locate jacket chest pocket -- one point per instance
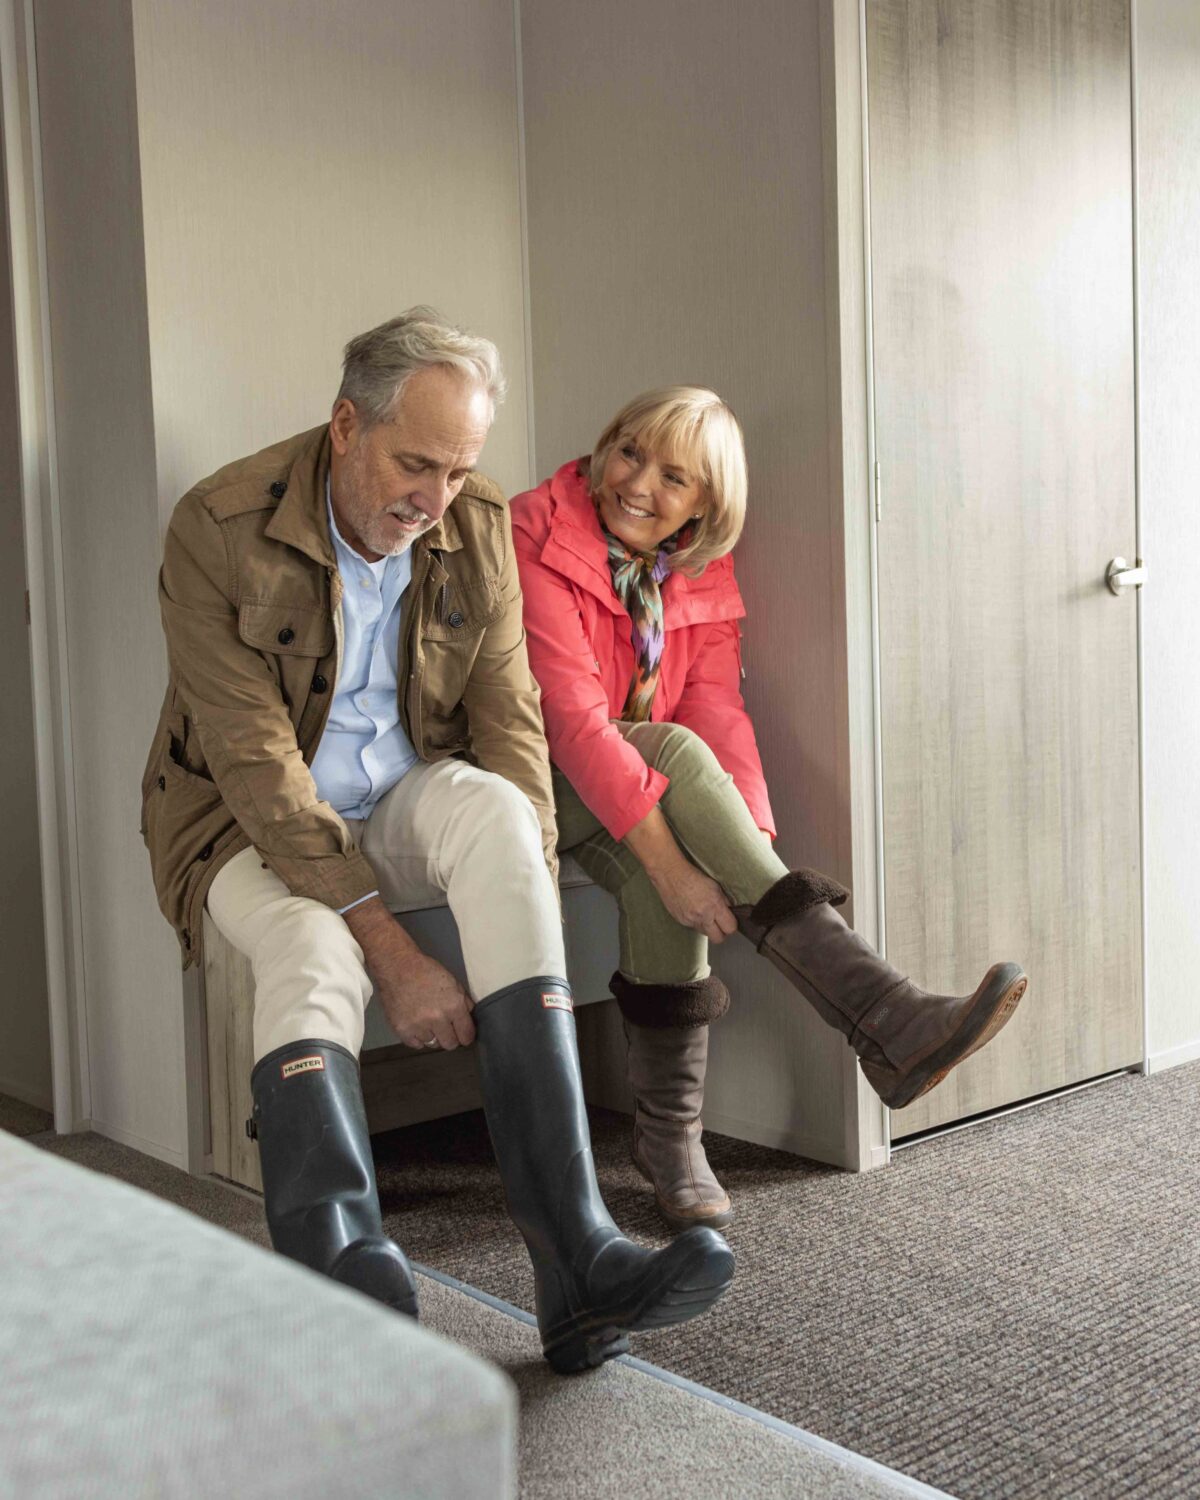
(451, 635)
(294, 639)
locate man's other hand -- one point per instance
(422, 1000)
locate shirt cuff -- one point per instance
(342, 910)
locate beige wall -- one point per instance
(1168, 52)
(24, 1002)
(308, 170)
(303, 170)
(676, 222)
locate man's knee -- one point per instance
(300, 931)
(494, 807)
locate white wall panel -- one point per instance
(1168, 87)
(676, 223)
(110, 557)
(24, 1000)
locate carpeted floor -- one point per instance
(1009, 1311)
(616, 1433)
(23, 1119)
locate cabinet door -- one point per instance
(1001, 251)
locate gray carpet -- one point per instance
(613, 1434)
(23, 1119)
(1009, 1311)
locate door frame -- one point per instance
(49, 669)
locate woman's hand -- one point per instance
(696, 901)
(688, 894)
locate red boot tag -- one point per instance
(314, 1064)
(553, 1001)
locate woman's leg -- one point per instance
(907, 1040)
(707, 813)
(667, 997)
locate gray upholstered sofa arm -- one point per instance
(146, 1353)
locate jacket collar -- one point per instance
(576, 546)
(301, 519)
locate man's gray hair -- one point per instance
(377, 365)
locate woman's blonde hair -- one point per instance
(693, 427)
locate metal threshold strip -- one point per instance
(937, 1131)
(866, 1466)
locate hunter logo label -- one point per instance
(315, 1064)
(553, 1001)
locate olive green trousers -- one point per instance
(712, 825)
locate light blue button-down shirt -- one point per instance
(364, 750)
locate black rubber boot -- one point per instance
(593, 1286)
(318, 1175)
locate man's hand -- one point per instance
(423, 1001)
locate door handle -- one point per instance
(1121, 576)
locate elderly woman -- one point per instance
(632, 611)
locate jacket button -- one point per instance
(286, 636)
(319, 684)
(456, 618)
(162, 783)
(187, 938)
(279, 489)
(206, 852)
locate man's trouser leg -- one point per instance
(311, 990)
(475, 837)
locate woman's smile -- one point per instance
(645, 497)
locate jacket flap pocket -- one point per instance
(459, 612)
(285, 629)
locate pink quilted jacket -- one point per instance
(582, 656)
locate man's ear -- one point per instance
(344, 425)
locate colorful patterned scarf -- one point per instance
(637, 578)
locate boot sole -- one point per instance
(720, 1218)
(669, 1295)
(999, 995)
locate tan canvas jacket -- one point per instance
(249, 592)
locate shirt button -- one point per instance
(364, 583)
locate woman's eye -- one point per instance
(672, 478)
(629, 451)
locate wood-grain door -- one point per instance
(1001, 256)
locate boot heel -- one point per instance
(586, 1351)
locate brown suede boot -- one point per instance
(667, 1062)
(906, 1039)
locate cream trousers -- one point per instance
(446, 831)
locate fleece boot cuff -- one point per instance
(696, 1003)
(794, 893)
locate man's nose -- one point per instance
(436, 495)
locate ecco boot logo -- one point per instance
(553, 1001)
(315, 1064)
(877, 1019)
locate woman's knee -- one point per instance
(671, 747)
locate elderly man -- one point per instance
(351, 727)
